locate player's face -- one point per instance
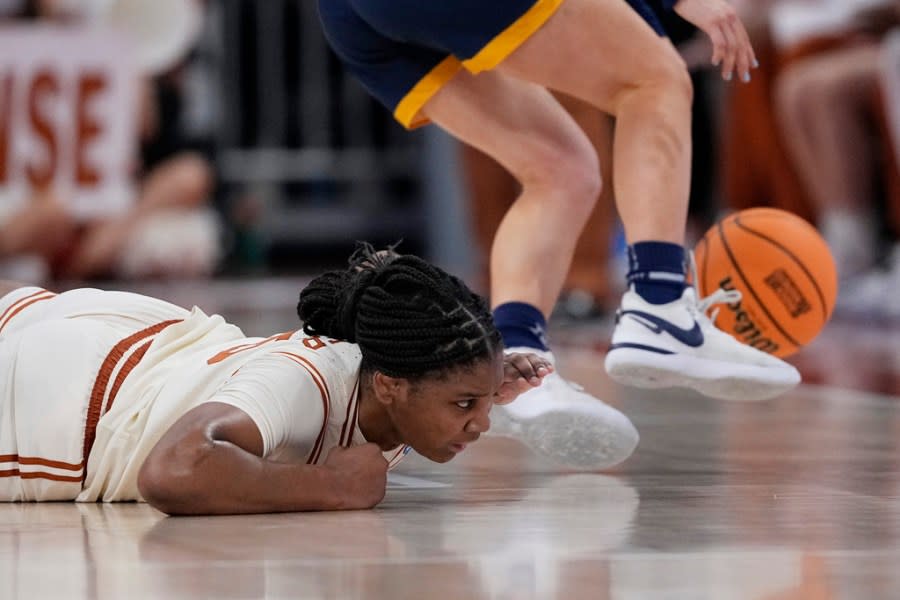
(443, 415)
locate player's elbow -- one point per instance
(152, 487)
(171, 481)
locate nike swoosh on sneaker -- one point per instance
(689, 337)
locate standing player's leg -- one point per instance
(526, 130)
(589, 288)
(604, 53)
(601, 51)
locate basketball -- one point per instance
(784, 271)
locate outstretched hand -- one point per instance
(731, 44)
(521, 372)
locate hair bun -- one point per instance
(348, 309)
(330, 304)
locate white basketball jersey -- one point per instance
(137, 375)
(301, 391)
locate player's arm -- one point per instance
(210, 462)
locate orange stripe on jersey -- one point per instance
(101, 383)
(43, 462)
(51, 476)
(355, 418)
(355, 421)
(13, 306)
(41, 475)
(352, 408)
(402, 451)
(21, 304)
(126, 370)
(241, 348)
(326, 400)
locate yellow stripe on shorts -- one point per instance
(512, 37)
(407, 111)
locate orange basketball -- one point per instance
(782, 267)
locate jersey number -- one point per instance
(311, 342)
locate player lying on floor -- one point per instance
(116, 396)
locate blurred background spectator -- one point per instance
(811, 135)
(831, 106)
(166, 229)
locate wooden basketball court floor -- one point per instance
(796, 498)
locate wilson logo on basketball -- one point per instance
(744, 328)
(788, 292)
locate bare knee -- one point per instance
(568, 175)
(665, 83)
(673, 75)
(658, 104)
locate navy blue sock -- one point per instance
(521, 324)
(657, 271)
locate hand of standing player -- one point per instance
(521, 372)
(731, 44)
(359, 474)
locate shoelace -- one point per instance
(720, 296)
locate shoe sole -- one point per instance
(742, 383)
(570, 438)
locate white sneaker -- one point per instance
(561, 422)
(677, 345)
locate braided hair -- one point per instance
(408, 317)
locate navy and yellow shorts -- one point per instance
(404, 51)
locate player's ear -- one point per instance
(389, 390)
